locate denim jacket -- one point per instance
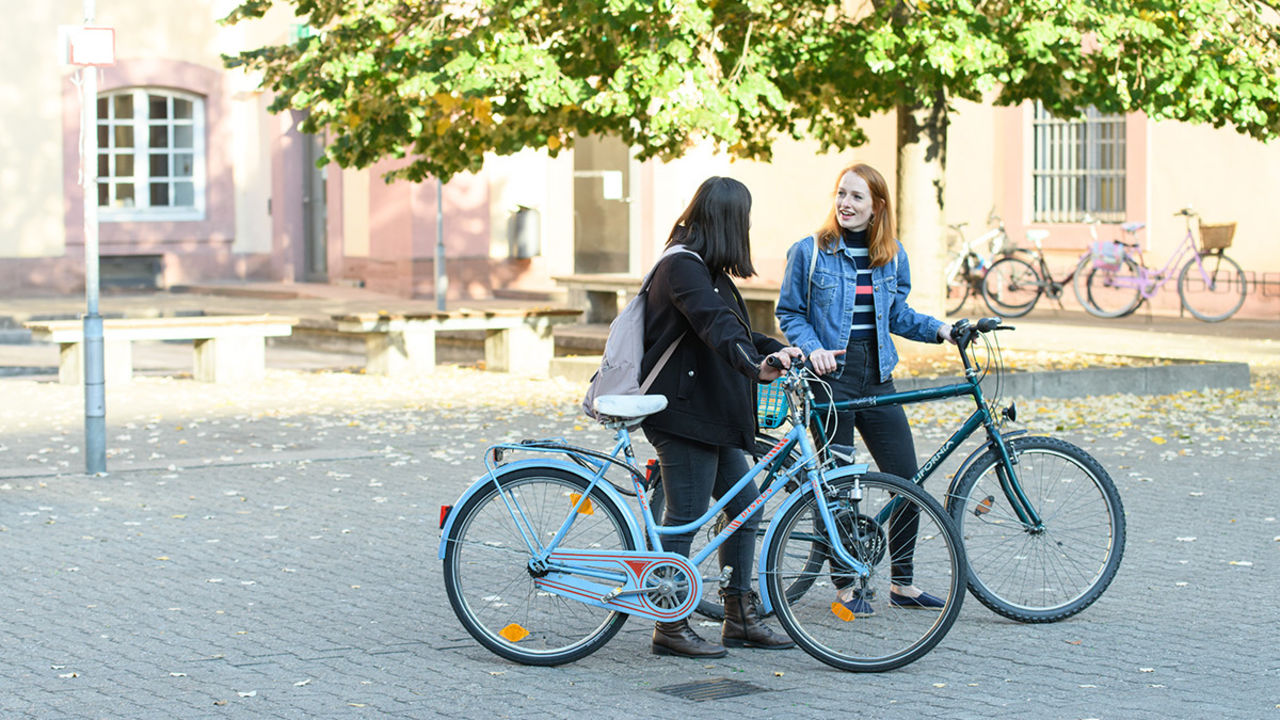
(821, 316)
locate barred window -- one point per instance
(150, 155)
(1079, 167)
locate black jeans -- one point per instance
(692, 474)
(887, 436)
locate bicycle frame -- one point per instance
(980, 417)
(568, 572)
(1149, 282)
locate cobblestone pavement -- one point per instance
(269, 552)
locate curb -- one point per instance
(1154, 380)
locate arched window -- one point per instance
(151, 155)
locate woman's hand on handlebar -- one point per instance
(777, 363)
(945, 333)
(823, 362)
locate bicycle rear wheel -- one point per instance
(959, 283)
(1040, 575)
(487, 576)
(1112, 293)
(1217, 293)
(1012, 287)
(914, 536)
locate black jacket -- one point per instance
(710, 380)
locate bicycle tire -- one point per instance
(959, 283)
(1012, 287)
(1112, 293)
(1225, 291)
(1068, 564)
(709, 605)
(892, 636)
(487, 577)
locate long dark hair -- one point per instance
(881, 242)
(717, 226)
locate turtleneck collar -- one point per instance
(854, 237)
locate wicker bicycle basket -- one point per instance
(1217, 236)
(771, 405)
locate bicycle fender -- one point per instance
(488, 479)
(964, 466)
(805, 489)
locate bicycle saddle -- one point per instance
(1132, 227)
(630, 407)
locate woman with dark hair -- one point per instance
(844, 293)
(709, 422)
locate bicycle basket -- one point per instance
(1217, 236)
(771, 405)
(1107, 255)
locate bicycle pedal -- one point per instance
(725, 573)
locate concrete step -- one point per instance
(581, 338)
(577, 368)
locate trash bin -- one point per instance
(524, 233)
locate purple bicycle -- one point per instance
(1211, 285)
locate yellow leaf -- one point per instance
(553, 142)
(1158, 440)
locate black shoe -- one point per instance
(743, 627)
(677, 638)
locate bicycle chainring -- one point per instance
(668, 586)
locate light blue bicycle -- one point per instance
(545, 557)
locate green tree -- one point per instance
(442, 82)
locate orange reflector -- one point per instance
(586, 508)
(842, 612)
(444, 514)
(984, 506)
(514, 633)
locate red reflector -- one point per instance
(444, 514)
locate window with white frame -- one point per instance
(151, 155)
(1078, 168)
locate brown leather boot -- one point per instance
(743, 627)
(677, 638)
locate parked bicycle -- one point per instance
(970, 260)
(1013, 285)
(544, 559)
(1041, 520)
(1211, 286)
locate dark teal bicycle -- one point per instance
(1040, 519)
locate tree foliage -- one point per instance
(442, 82)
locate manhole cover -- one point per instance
(714, 689)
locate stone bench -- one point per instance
(602, 295)
(517, 341)
(228, 348)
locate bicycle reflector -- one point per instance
(444, 514)
(984, 506)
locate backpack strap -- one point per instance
(662, 361)
(644, 288)
(813, 263)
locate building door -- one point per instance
(602, 177)
(314, 212)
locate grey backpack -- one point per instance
(619, 372)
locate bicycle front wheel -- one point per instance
(1048, 573)
(1112, 292)
(1012, 287)
(486, 566)
(903, 535)
(1212, 287)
